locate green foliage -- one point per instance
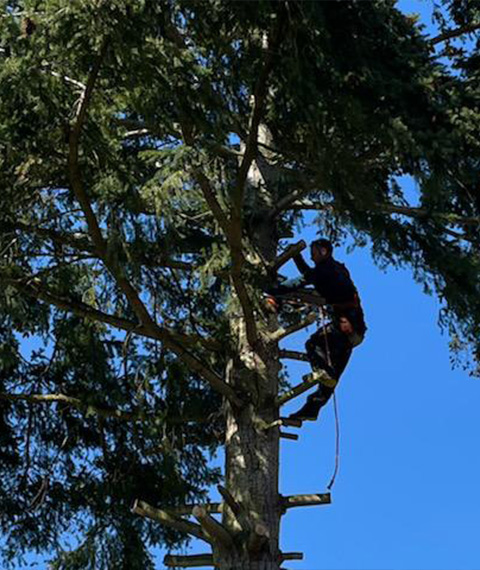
(357, 96)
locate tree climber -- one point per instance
(330, 347)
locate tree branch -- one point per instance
(171, 339)
(187, 509)
(81, 195)
(86, 407)
(76, 403)
(101, 246)
(450, 34)
(236, 508)
(414, 212)
(237, 256)
(81, 242)
(33, 288)
(409, 211)
(145, 510)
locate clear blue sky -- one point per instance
(407, 496)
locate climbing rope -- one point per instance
(337, 444)
(335, 407)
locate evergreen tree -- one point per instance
(154, 158)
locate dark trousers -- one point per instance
(328, 350)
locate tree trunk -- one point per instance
(251, 446)
(252, 462)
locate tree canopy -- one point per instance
(131, 229)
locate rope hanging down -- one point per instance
(335, 407)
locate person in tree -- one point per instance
(330, 347)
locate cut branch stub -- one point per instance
(168, 519)
(236, 508)
(290, 251)
(305, 500)
(258, 537)
(291, 556)
(192, 561)
(286, 435)
(294, 355)
(291, 422)
(214, 529)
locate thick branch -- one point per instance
(145, 510)
(33, 288)
(450, 34)
(81, 195)
(291, 556)
(290, 422)
(172, 340)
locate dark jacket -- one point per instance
(333, 282)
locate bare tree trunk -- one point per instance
(252, 444)
(252, 463)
